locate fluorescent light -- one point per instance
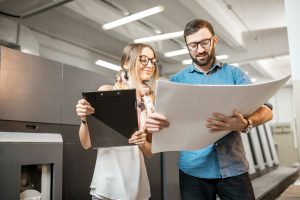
(235, 64)
(185, 51)
(108, 65)
(176, 53)
(221, 57)
(187, 62)
(160, 37)
(157, 31)
(133, 17)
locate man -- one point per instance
(220, 169)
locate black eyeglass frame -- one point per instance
(201, 43)
(154, 63)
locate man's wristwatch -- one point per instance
(248, 127)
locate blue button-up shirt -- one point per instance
(225, 158)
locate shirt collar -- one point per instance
(214, 67)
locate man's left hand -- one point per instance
(220, 122)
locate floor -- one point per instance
(292, 192)
(274, 183)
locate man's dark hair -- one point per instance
(196, 24)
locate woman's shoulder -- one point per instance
(106, 88)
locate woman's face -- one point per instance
(146, 64)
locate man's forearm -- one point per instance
(261, 116)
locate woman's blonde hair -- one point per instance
(130, 57)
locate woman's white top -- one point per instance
(120, 174)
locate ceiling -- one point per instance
(252, 33)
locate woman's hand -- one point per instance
(84, 108)
(138, 137)
(155, 122)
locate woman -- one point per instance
(120, 172)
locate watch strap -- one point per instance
(248, 127)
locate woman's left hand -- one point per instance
(138, 137)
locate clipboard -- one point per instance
(115, 118)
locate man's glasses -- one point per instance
(206, 43)
(145, 60)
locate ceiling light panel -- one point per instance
(108, 65)
(189, 61)
(165, 36)
(133, 17)
(176, 53)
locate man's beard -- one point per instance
(206, 61)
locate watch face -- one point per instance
(248, 128)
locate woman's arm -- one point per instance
(147, 146)
(83, 109)
(142, 139)
(84, 136)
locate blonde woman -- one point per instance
(120, 172)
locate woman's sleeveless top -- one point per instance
(120, 172)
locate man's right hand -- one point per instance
(84, 108)
(156, 122)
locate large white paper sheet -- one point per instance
(187, 107)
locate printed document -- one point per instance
(187, 107)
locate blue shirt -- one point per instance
(225, 158)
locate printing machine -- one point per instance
(39, 96)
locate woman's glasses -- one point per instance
(145, 60)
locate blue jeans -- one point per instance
(232, 188)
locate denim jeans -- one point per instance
(232, 188)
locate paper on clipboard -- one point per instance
(115, 117)
(188, 106)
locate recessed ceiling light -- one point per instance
(133, 17)
(189, 61)
(235, 64)
(221, 57)
(165, 36)
(108, 65)
(158, 31)
(176, 53)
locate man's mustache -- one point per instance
(202, 54)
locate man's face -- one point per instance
(201, 47)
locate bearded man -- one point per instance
(221, 168)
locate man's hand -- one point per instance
(156, 122)
(219, 122)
